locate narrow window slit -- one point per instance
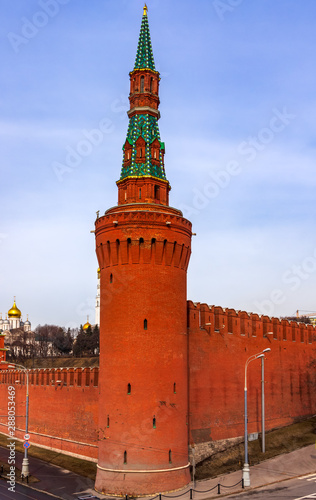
(129, 388)
(154, 422)
(145, 324)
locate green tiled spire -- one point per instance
(143, 121)
(144, 56)
(146, 126)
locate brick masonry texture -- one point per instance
(64, 403)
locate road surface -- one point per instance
(303, 488)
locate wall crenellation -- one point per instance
(216, 319)
(53, 377)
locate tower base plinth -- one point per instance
(140, 483)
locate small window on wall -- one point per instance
(157, 193)
(154, 422)
(175, 388)
(111, 278)
(140, 194)
(170, 457)
(125, 457)
(142, 84)
(108, 421)
(145, 324)
(129, 388)
(151, 84)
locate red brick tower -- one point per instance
(143, 248)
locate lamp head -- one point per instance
(267, 349)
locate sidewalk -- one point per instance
(66, 485)
(286, 466)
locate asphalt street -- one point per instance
(21, 493)
(293, 489)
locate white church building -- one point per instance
(13, 320)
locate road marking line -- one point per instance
(313, 495)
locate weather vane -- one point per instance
(145, 10)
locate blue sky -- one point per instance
(238, 112)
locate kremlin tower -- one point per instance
(143, 247)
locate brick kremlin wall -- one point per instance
(63, 412)
(217, 356)
(63, 408)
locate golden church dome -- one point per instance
(86, 326)
(14, 312)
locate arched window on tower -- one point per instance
(142, 84)
(129, 243)
(157, 193)
(151, 84)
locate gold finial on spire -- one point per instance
(145, 10)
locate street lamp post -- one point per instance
(25, 462)
(263, 434)
(246, 470)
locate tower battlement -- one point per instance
(147, 237)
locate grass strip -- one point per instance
(278, 441)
